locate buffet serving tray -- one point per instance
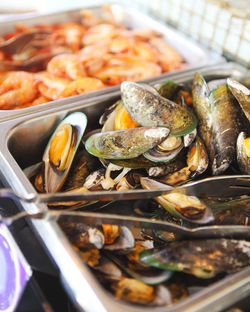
(195, 55)
(22, 143)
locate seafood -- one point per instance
(98, 33)
(82, 85)
(66, 66)
(18, 88)
(243, 153)
(203, 258)
(60, 151)
(151, 110)
(97, 47)
(50, 86)
(242, 94)
(143, 266)
(197, 158)
(219, 123)
(186, 207)
(125, 143)
(71, 33)
(128, 71)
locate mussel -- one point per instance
(149, 109)
(203, 258)
(60, 151)
(242, 94)
(125, 144)
(166, 151)
(186, 207)
(219, 123)
(243, 153)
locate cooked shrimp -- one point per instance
(2, 56)
(167, 56)
(66, 66)
(93, 66)
(72, 34)
(51, 86)
(82, 85)
(145, 34)
(121, 44)
(17, 89)
(144, 51)
(88, 18)
(39, 100)
(129, 71)
(98, 33)
(93, 51)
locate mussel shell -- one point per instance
(203, 258)
(125, 144)
(220, 121)
(83, 165)
(124, 241)
(109, 124)
(107, 112)
(226, 126)
(55, 179)
(202, 107)
(167, 89)
(213, 84)
(163, 170)
(151, 110)
(242, 94)
(197, 158)
(189, 138)
(197, 212)
(167, 156)
(243, 156)
(150, 279)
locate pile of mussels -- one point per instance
(168, 134)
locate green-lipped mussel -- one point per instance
(61, 149)
(133, 280)
(151, 110)
(202, 258)
(219, 123)
(243, 153)
(124, 144)
(242, 94)
(189, 208)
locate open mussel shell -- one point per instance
(213, 84)
(157, 277)
(118, 119)
(202, 258)
(167, 89)
(243, 153)
(189, 138)
(188, 208)
(151, 110)
(197, 158)
(164, 153)
(125, 144)
(242, 95)
(61, 149)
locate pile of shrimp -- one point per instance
(90, 55)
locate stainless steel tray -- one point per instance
(21, 144)
(195, 55)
